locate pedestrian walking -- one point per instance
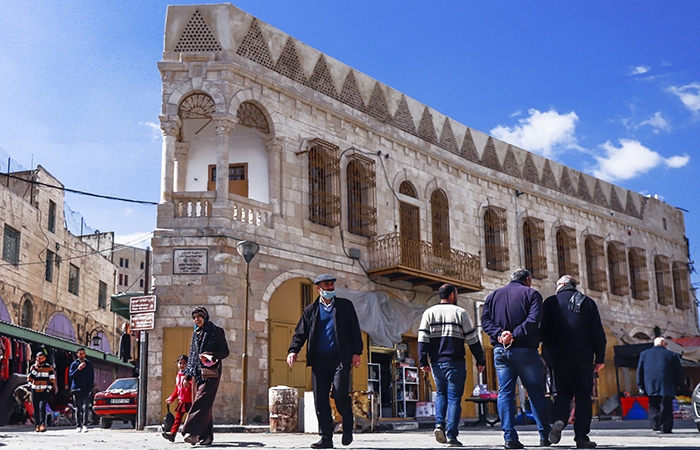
(82, 378)
(511, 317)
(41, 380)
(444, 329)
(659, 373)
(207, 348)
(574, 342)
(183, 394)
(331, 331)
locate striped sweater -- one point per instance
(41, 377)
(443, 331)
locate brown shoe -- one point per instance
(192, 439)
(42, 428)
(38, 429)
(169, 436)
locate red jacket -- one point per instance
(183, 389)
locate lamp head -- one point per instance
(96, 340)
(248, 250)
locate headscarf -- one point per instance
(201, 311)
(203, 340)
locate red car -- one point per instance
(118, 402)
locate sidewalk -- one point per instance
(610, 434)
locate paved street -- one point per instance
(608, 435)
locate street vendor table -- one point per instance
(482, 404)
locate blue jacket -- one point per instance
(659, 372)
(516, 308)
(81, 380)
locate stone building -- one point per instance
(328, 170)
(51, 281)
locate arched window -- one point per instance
(533, 246)
(197, 106)
(680, 285)
(595, 264)
(617, 274)
(61, 326)
(409, 228)
(566, 251)
(495, 237)
(638, 273)
(324, 200)
(440, 211)
(361, 180)
(26, 318)
(662, 270)
(251, 116)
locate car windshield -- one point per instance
(124, 384)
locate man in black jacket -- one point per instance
(331, 331)
(659, 373)
(574, 341)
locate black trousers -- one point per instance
(200, 420)
(82, 399)
(661, 413)
(573, 377)
(39, 401)
(332, 376)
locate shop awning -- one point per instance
(119, 304)
(36, 337)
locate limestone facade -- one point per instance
(238, 92)
(52, 273)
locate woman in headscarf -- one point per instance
(207, 348)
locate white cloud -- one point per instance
(657, 121)
(689, 95)
(542, 132)
(630, 160)
(639, 70)
(155, 128)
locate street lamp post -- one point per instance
(248, 250)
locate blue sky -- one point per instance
(609, 88)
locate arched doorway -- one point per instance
(4, 313)
(61, 326)
(409, 228)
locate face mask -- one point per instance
(327, 294)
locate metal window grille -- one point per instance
(566, 251)
(440, 210)
(102, 295)
(306, 295)
(324, 200)
(197, 106)
(50, 260)
(595, 267)
(10, 245)
(680, 285)
(662, 270)
(251, 116)
(639, 284)
(361, 180)
(496, 238)
(617, 273)
(406, 188)
(73, 280)
(533, 246)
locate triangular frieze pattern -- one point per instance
(350, 94)
(321, 80)
(426, 127)
(530, 172)
(615, 202)
(403, 119)
(197, 37)
(490, 157)
(254, 47)
(377, 106)
(288, 63)
(468, 150)
(565, 185)
(548, 179)
(510, 164)
(447, 138)
(583, 192)
(630, 207)
(598, 195)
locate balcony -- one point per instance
(202, 205)
(400, 258)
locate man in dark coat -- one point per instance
(82, 380)
(574, 342)
(331, 331)
(659, 373)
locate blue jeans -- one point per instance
(524, 363)
(449, 379)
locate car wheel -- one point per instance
(133, 423)
(105, 423)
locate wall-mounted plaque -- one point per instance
(190, 261)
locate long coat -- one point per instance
(659, 372)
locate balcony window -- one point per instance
(324, 199)
(361, 184)
(495, 237)
(595, 263)
(237, 179)
(409, 227)
(440, 211)
(638, 273)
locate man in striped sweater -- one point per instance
(443, 330)
(41, 379)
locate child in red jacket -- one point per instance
(183, 393)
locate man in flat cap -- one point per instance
(331, 331)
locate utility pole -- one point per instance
(143, 353)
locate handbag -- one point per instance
(168, 420)
(210, 372)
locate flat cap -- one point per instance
(324, 277)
